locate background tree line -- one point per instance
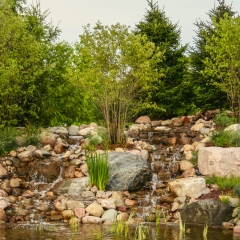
(114, 74)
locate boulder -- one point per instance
(143, 120)
(109, 215)
(72, 205)
(91, 219)
(185, 165)
(46, 171)
(192, 187)
(73, 130)
(233, 127)
(127, 171)
(73, 187)
(47, 138)
(219, 161)
(25, 156)
(209, 211)
(95, 209)
(62, 131)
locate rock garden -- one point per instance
(166, 171)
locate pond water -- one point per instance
(98, 232)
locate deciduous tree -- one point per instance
(114, 66)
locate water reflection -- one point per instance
(98, 232)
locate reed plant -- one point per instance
(182, 226)
(98, 169)
(142, 232)
(205, 231)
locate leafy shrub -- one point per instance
(8, 139)
(98, 169)
(224, 182)
(226, 138)
(237, 190)
(31, 135)
(223, 120)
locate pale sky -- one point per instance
(71, 15)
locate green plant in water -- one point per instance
(205, 231)
(98, 169)
(141, 232)
(182, 226)
(158, 216)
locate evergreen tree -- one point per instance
(169, 92)
(207, 95)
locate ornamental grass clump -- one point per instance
(98, 169)
(224, 183)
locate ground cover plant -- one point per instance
(224, 183)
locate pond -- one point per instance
(98, 232)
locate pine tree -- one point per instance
(169, 92)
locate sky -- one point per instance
(71, 15)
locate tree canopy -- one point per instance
(169, 94)
(223, 64)
(114, 66)
(206, 95)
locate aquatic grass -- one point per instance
(98, 169)
(182, 226)
(158, 216)
(205, 231)
(224, 182)
(142, 232)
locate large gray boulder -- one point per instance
(219, 161)
(128, 172)
(209, 211)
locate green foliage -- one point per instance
(224, 182)
(226, 138)
(237, 190)
(19, 66)
(194, 160)
(31, 135)
(8, 139)
(223, 120)
(224, 64)
(205, 231)
(98, 169)
(224, 199)
(113, 66)
(206, 94)
(170, 94)
(34, 85)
